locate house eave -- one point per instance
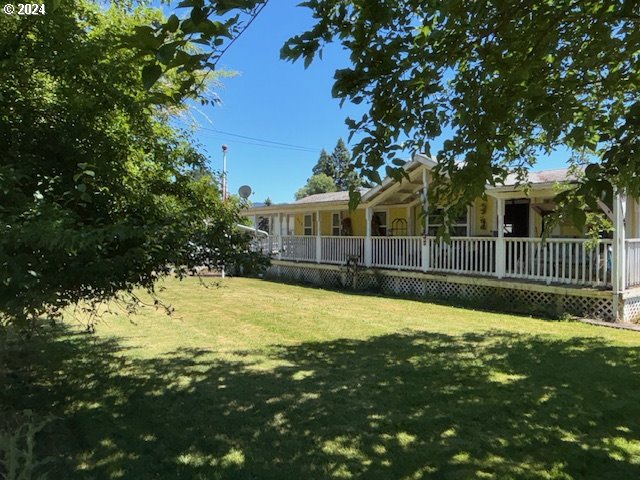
(519, 191)
(295, 208)
(417, 160)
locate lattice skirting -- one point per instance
(632, 309)
(499, 298)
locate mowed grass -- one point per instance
(260, 380)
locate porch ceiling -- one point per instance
(404, 193)
(511, 192)
(407, 193)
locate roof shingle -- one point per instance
(545, 176)
(328, 197)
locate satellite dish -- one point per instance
(244, 191)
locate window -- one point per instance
(308, 224)
(460, 225)
(379, 224)
(336, 224)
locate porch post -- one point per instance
(425, 232)
(368, 213)
(500, 242)
(425, 200)
(318, 238)
(636, 217)
(280, 236)
(618, 260)
(410, 229)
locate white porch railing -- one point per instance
(559, 260)
(265, 245)
(633, 262)
(402, 253)
(475, 255)
(556, 260)
(339, 250)
(298, 247)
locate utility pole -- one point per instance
(224, 172)
(224, 187)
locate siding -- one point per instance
(482, 220)
(482, 217)
(299, 224)
(358, 223)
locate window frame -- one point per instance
(304, 225)
(336, 230)
(461, 223)
(383, 227)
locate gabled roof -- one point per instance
(416, 162)
(341, 198)
(541, 181)
(545, 176)
(328, 197)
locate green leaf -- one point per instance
(197, 15)
(146, 38)
(166, 53)
(211, 28)
(354, 200)
(579, 218)
(150, 75)
(374, 176)
(307, 62)
(172, 24)
(225, 6)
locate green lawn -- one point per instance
(259, 380)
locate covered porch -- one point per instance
(556, 260)
(500, 238)
(607, 263)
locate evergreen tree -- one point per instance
(341, 159)
(346, 177)
(325, 165)
(338, 170)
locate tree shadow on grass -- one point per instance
(408, 405)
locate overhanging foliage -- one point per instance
(98, 192)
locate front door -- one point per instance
(516, 218)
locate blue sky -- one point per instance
(280, 102)
(277, 101)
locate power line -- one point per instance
(289, 146)
(277, 147)
(260, 139)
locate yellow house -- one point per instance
(497, 247)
